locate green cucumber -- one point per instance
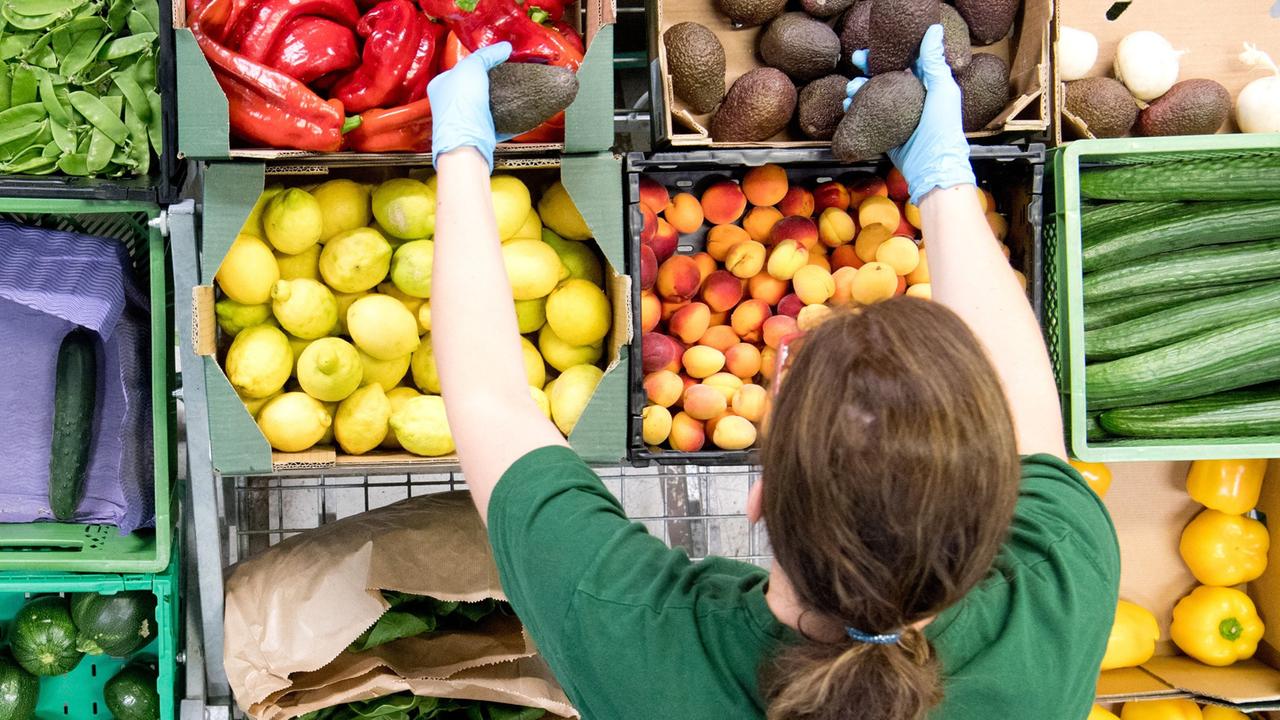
(1226, 358)
(1093, 430)
(1102, 218)
(1241, 413)
(1178, 323)
(1194, 225)
(1201, 267)
(1106, 313)
(1217, 178)
(75, 394)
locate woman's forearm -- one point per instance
(970, 275)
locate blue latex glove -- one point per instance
(937, 155)
(460, 115)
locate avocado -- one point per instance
(822, 106)
(1103, 104)
(897, 26)
(522, 96)
(825, 8)
(1192, 107)
(855, 33)
(748, 13)
(758, 106)
(800, 46)
(989, 20)
(884, 114)
(984, 88)
(955, 39)
(695, 58)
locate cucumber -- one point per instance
(1109, 312)
(1194, 225)
(1226, 358)
(1177, 323)
(1102, 218)
(1201, 267)
(75, 394)
(1093, 430)
(1217, 178)
(1241, 413)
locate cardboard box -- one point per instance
(204, 128)
(239, 448)
(1027, 51)
(1212, 34)
(1150, 506)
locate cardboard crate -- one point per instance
(1027, 51)
(239, 448)
(204, 128)
(1212, 34)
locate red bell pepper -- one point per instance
(216, 17)
(392, 33)
(452, 53)
(426, 62)
(313, 47)
(406, 128)
(544, 11)
(481, 23)
(571, 34)
(551, 131)
(257, 31)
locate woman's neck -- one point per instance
(787, 608)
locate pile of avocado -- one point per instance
(1105, 107)
(806, 69)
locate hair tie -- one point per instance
(859, 636)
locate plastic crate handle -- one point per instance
(36, 537)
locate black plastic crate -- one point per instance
(1013, 174)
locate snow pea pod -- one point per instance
(23, 88)
(150, 9)
(6, 80)
(98, 114)
(101, 148)
(33, 8)
(139, 147)
(62, 137)
(131, 45)
(29, 22)
(14, 44)
(74, 164)
(138, 23)
(133, 94)
(155, 125)
(35, 165)
(83, 49)
(22, 115)
(144, 69)
(51, 149)
(49, 99)
(14, 140)
(116, 14)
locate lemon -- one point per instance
(578, 312)
(294, 422)
(562, 356)
(248, 271)
(424, 318)
(423, 366)
(381, 326)
(253, 223)
(259, 361)
(329, 369)
(411, 268)
(292, 221)
(332, 409)
(530, 230)
(581, 262)
(410, 302)
(571, 393)
(305, 308)
(234, 317)
(405, 208)
(344, 205)
(535, 370)
(355, 260)
(532, 267)
(422, 427)
(298, 346)
(302, 266)
(255, 405)
(559, 213)
(345, 301)
(540, 399)
(387, 373)
(361, 422)
(397, 398)
(511, 204)
(531, 315)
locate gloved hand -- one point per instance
(937, 155)
(460, 115)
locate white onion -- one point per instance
(1147, 64)
(1258, 105)
(1077, 53)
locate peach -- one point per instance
(921, 273)
(814, 285)
(726, 383)
(678, 278)
(751, 402)
(703, 402)
(912, 214)
(836, 227)
(869, 240)
(759, 222)
(748, 318)
(653, 195)
(743, 360)
(706, 266)
(690, 322)
(720, 337)
(899, 253)
(811, 316)
(897, 185)
(721, 291)
(650, 225)
(790, 305)
(765, 185)
(669, 309)
(687, 434)
(648, 267)
(874, 282)
(797, 201)
(722, 238)
(924, 291)
(723, 203)
(767, 288)
(746, 260)
(986, 200)
(650, 310)
(845, 256)
(656, 425)
(877, 210)
(902, 286)
(701, 361)
(768, 363)
(842, 280)
(830, 195)
(787, 257)
(906, 229)
(733, 433)
(999, 226)
(803, 230)
(664, 241)
(684, 212)
(663, 388)
(778, 328)
(863, 185)
(660, 352)
(818, 258)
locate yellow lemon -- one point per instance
(577, 257)
(559, 213)
(532, 267)
(571, 393)
(530, 230)
(411, 268)
(329, 369)
(410, 302)
(511, 204)
(298, 346)
(578, 312)
(397, 398)
(422, 427)
(255, 405)
(562, 356)
(234, 317)
(535, 370)
(259, 361)
(332, 409)
(344, 205)
(423, 366)
(381, 326)
(361, 422)
(302, 266)
(405, 208)
(387, 373)
(294, 422)
(248, 271)
(253, 223)
(292, 221)
(305, 308)
(531, 315)
(424, 318)
(540, 399)
(355, 260)
(345, 301)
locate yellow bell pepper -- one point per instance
(1097, 475)
(1098, 713)
(1133, 637)
(1225, 550)
(1231, 486)
(1216, 625)
(1161, 710)
(1217, 712)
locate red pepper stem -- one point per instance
(351, 123)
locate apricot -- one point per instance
(724, 382)
(669, 309)
(655, 425)
(879, 210)
(648, 267)
(720, 337)
(874, 282)
(690, 322)
(734, 433)
(703, 402)
(897, 185)
(986, 200)
(778, 328)
(687, 434)
(767, 288)
(686, 382)
(765, 185)
(759, 222)
(899, 253)
(1022, 279)
(790, 305)
(664, 241)
(845, 256)
(902, 286)
(746, 260)
(701, 361)
(660, 352)
(684, 212)
(842, 280)
(830, 195)
(865, 246)
(721, 291)
(912, 214)
(678, 278)
(768, 363)
(748, 318)
(653, 195)
(723, 203)
(818, 258)
(906, 229)
(836, 227)
(811, 316)
(722, 238)
(999, 226)
(797, 201)
(921, 272)
(923, 291)
(803, 230)
(711, 424)
(706, 266)
(663, 388)
(650, 310)
(787, 257)
(863, 185)
(649, 225)
(751, 402)
(719, 318)
(743, 360)
(815, 285)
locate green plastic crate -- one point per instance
(1064, 299)
(101, 548)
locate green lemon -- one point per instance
(578, 257)
(344, 205)
(405, 208)
(561, 355)
(423, 366)
(248, 271)
(535, 370)
(533, 268)
(355, 260)
(578, 312)
(234, 317)
(531, 315)
(382, 326)
(294, 422)
(259, 361)
(329, 369)
(422, 427)
(411, 268)
(571, 393)
(361, 422)
(387, 373)
(292, 221)
(305, 308)
(397, 398)
(303, 266)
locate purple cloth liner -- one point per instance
(51, 282)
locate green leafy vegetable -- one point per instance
(405, 706)
(413, 615)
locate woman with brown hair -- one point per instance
(934, 555)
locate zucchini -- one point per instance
(1241, 413)
(1226, 358)
(1213, 178)
(19, 691)
(44, 637)
(1201, 267)
(1177, 323)
(1196, 225)
(1109, 312)
(131, 694)
(75, 394)
(117, 625)
(1101, 218)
